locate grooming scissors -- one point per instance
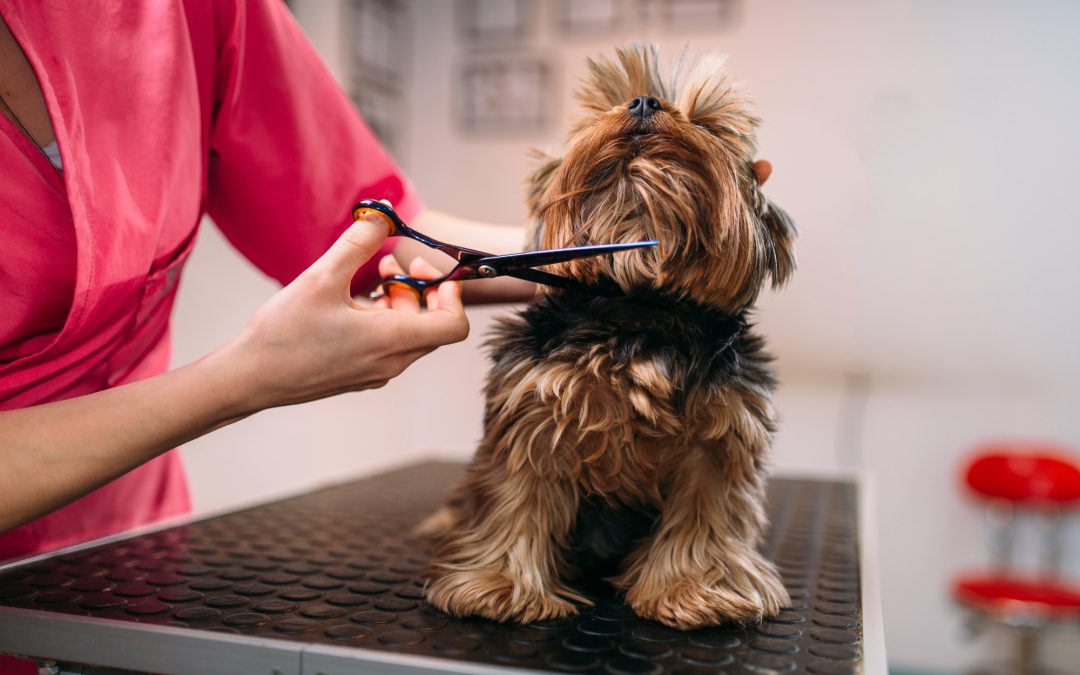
(473, 264)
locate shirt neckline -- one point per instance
(61, 181)
(35, 155)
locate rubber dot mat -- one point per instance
(338, 566)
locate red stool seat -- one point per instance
(1004, 594)
(1039, 479)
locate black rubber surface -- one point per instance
(338, 566)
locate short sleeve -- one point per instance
(289, 155)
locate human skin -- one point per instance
(308, 341)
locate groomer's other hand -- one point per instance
(312, 340)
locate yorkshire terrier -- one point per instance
(625, 431)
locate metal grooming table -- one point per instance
(329, 583)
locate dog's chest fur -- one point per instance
(624, 385)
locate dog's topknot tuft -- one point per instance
(682, 175)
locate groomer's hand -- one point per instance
(312, 340)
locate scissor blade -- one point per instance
(504, 263)
(549, 279)
(546, 278)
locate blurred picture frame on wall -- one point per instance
(505, 95)
(381, 111)
(689, 14)
(499, 22)
(595, 17)
(377, 35)
(376, 29)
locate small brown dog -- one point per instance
(625, 433)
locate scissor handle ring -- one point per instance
(411, 284)
(393, 221)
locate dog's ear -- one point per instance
(611, 83)
(539, 181)
(780, 245)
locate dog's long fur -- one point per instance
(627, 434)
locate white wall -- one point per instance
(926, 151)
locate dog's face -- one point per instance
(669, 161)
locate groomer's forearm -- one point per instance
(473, 234)
(52, 454)
(490, 237)
(496, 291)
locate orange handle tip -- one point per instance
(359, 213)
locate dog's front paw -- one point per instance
(494, 595)
(690, 604)
(749, 592)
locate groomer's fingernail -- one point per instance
(373, 217)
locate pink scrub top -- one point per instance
(164, 110)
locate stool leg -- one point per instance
(1027, 651)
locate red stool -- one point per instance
(1013, 478)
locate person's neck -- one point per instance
(20, 94)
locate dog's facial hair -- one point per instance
(683, 176)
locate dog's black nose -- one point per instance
(643, 106)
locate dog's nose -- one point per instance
(643, 106)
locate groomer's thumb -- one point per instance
(354, 247)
